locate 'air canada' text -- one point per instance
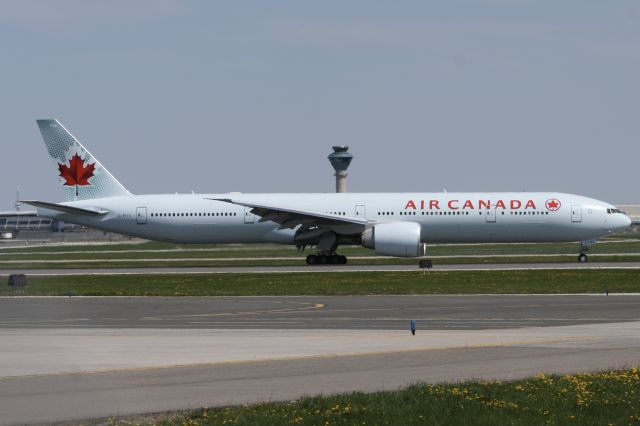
(469, 204)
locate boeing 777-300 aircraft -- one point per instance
(393, 224)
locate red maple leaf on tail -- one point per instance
(76, 173)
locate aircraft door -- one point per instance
(248, 216)
(490, 215)
(141, 215)
(576, 213)
(360, 211)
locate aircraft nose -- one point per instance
(626, 221)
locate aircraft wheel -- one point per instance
(312, 259)
(323, 259)
(582, 258)
(338, 259)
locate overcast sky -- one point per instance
(174, 96)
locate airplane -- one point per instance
(392, 224)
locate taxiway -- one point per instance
(66, 359)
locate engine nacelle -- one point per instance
(401, 239)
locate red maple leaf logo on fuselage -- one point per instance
(76, 173)
(552, 204)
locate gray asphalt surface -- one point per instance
(318, 312)
(326, 268)
(546, 333)
(74, 397)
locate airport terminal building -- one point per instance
(26, 226)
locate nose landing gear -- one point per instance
(584, 246)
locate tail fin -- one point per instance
(82, 177)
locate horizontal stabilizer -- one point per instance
(67, 209)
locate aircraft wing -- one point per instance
(290, 218)
(66, 209)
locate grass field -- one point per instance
(153, 254)
(346, 283)
(584, 399)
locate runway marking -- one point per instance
(611, 296)
(222, 314)
(203, 270)
(302, 357)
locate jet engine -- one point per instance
(401, 239)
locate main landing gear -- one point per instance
(327, 254)
(583, 258)
(326, 259)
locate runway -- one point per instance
(317, 312)
(317, 269)
(66, 359)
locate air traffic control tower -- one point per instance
(340, 160)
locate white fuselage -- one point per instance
(443, 217)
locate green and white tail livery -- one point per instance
(82, 176)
